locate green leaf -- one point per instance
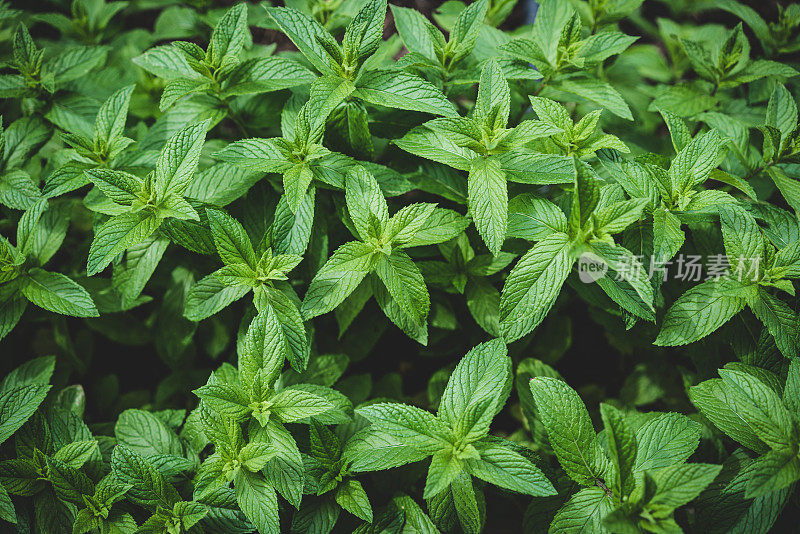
(110, 122)
(292, 332)
(35, 371)
(782, 112)
(789, 188)
(527, 167)
(69, 484)
(665, 440)
(405, 284)
(477, 390)
(615, 217)
(488, 201)
(365, 203)
(533, 285)
(668, 237)
(417, 428)
(351, 496)
(629, 286)
(363, 35)
(256, 154)
(7, 512)
(569, 428)
(315, 43)
(492, 106)
(258, 500)
(375, 450)
(465, 499)
(285, 470)
(209, 295)
(621, 443)
(444, 468)
(77, 453)
(585, 197)
(146, 434)
(597, 92)
(427, 143)
(401, 90)
(503, 467)
(178, 160)
(17, 405)
(295, 184)
(780, 320)
(339, 277)
(121, 187)
(547, 27)
(266, 74)
(166, 62)
(583, 513)
(679, 484)
(148, 487)
(534, 218)
(713, 398)
(291, 230)
(291, 405)
(773, 472)
(762, 409)
(228, 37)
(117, 234)
(230, 238)
(442, 225)
(695, 161)
(18, 190)
(412, 27)
(466, 29)
(742, 237)
(404, 225)
(700, 311)
(57, 293)
(11, 310)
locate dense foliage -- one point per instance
(609, 194)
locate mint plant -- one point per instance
(327, 266)
(635, 480)
(455, 438)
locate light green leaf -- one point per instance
(178, 160)
(258, 500)
(621, 443)
(291, 405)
(488, 201)
(351, 496)
(477, 390)
(444, 468)
(583, 513)
(569, 428)
(17, 404)
(405, 284)
(700, 311)
(665, 440)
(401, 90)
(209, 295)
(339, 277)
(679, 484)
(533, 285)
(57, 293)
(503, 467)
(116, 235)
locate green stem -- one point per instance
(232, 116)
(699, 123)
(541, 86)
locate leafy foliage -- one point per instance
(245, 246)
